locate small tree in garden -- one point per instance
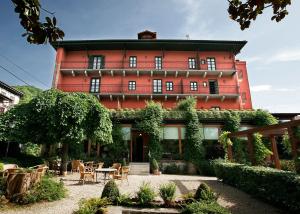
(111, 191)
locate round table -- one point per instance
(105, 171)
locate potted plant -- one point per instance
(155, 167)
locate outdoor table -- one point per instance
(105, 171)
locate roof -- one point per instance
(150, 44)
(10, 89)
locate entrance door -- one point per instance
(213, 87)
(137, 153)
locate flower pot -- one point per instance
(156, 172)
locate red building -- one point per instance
(124, 73)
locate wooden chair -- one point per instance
(98, 165)
(124, 174)
(116, 166)
(84, 175)
(89, 166)
(75, 165)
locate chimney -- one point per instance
(147, 35)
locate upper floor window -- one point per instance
(131, 85)
(169, 86)
(194, 86)
(96, 62)
(157, 86)
(211, 64)
(192, 63)
(132, 61)
(158, 62)
(95, 84)
(216, 108)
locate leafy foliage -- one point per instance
(124, 200)
(93, 205)
(205, 193)
(154, 164)
(46, 190)
(37, 32)
(29, 92)
(1, 166)
(146, 194)
(275, 186)
(225, 141)
(150, 122)
(260, 150)
(205, 208)
(246, 11)
(167, 192)
(111, 191)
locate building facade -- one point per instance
(126, 73)
(8, 97)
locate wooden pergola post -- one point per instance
(230, 153)
(98, 150)
(294, 142)
(275, 152)
(251, 149)
(89, 148)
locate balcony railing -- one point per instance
(119, 89)
(145, 67)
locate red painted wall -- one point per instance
(172, 60)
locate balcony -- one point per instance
(169, 68)
(221, 92)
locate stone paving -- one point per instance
(236, 201)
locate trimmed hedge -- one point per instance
(274, 186)
(205, 208)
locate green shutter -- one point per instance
(90, 66)
(102, 62)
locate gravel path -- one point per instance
(235, 200)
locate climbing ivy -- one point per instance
(225, 141)
(150, 123)
(260, 150)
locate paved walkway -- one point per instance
(237, 201)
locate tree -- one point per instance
(37, 32)
(29, 92)
(246, 11)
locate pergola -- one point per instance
(270, 132)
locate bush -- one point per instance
(172, 169)
(124, 200)
(46, 190)
(206, 168)
(205, 193)
(154, 164)
(2, 186)
(275, 186)
(1, 166)
(205, 208)
(111, 191)
(167, 192)
(145, 194)
(23, 160)
(288, 165)
(92, 206)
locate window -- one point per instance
(213, 87)
(131, 85)
(169, 86)
(158, 62)
(216, 108)
(194, 86)
(96, 62)
(211, 64)
(211, 133)
(192, 63)
(132, 62)
(95, 83)
(157, 86)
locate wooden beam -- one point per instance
(223, 98)
(73, 73)
(98, 149)
(165, 73)
(251, 149)
(229, 153)
(124, 73)
(137, 73)
(100, 74)
(85, 73)
(220, 74)
(187, 74)
(294, 142)
(112, 73)
(151, 72)
(275, 152)
(179, 141)
(204, 75)
(206, 98)
(176, 73)
(89, 147)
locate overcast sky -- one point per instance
(272, 52)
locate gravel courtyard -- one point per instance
(237, 201)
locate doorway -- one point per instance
(213, 87)
(139, 149)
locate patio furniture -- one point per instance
(105, 171)
(116, 166)
(75, 165)
(124, 174)
(98, 165)
(89, 166)
(8, 167)
(85, 175)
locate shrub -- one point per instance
(172, 169)
(93, 205)
(46, 190)
(167, 192)
(124, 200)
(1, 166)
(206, 168)
(154, 164)
(288, 165)
(205, 193)
(145, 194)
(111, 191)
(2, 186)
(205, 208)
(275, 186)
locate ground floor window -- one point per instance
(171, 149)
